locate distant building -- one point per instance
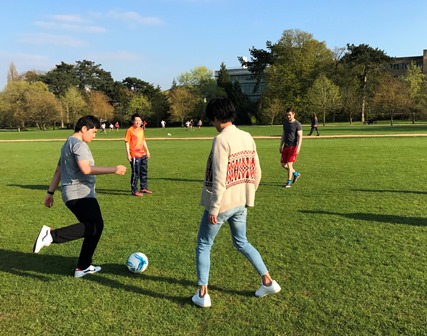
(401, 64)
(247, 82)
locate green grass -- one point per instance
(347, 244)
(209, 131)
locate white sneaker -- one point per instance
(204, 301)
(266, 290)
(44, 239)
(78, 273)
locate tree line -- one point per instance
(344, 84)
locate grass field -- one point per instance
(347, 243)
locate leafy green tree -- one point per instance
(91, 76)
(42, 107)
(364, 62)
(15, 95)
(391, 97)
(323, 97)
(272, 109)
(142, 106)
(182, 103)
(290, 66)
(61, 78)
(201, 83)
(74, 106)
(99, 105)
(415, 79)
(121, 100)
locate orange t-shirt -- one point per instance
(135, 138)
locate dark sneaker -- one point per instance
(266, 290)
(138, 194)
(44, 239)
(78, 273)
(146, 191)
(204, 301)
(296, 177)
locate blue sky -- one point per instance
(157, 40)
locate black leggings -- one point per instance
(90, 228)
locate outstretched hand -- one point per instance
(120, 170)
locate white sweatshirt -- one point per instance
(232, 173)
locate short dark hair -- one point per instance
(290, 109)
(222, 109)
(89, 121)
(136, 115)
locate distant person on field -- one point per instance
(200, 123)
(111, 127)
(163, 123)
(103, 127)
(314, 121)
(290, 146)
(117, 125)
(226, 194)
(76, 171)
(138, 155)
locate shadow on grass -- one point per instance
(393, 219)
(98, 190)
(42, 266)
(392, 191)
(176, 179)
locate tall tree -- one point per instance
(290, 66)
(74, 106)
(141, 105)
(391, 97)
(12, 74)
(91, 76)
(182, 103)
(43, 108)
(323, 97)
(99, 105)
(363, 62)
(272, 109)
(415, 79)
(61, 78)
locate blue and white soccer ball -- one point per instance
(137, 262)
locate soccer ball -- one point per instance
(137, 262)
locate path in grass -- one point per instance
(255, 137)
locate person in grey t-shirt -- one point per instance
(290, 146)
(76, 171)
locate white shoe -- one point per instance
(78, 273)
(266, 290)
(44, 239)
(204, 301)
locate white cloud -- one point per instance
(67, 18)
(50, 39)
(134, 18)
(70, 27)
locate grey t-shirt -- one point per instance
(291, 132)
(74, 183)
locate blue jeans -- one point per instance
(139, 172)
(207, 232)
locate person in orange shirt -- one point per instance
(138, 155)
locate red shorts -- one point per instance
(289, 154)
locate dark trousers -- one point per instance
(139, 172)
(90, 228)
(312, 129)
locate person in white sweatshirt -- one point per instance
(232, 176)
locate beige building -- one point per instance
(400, 64)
